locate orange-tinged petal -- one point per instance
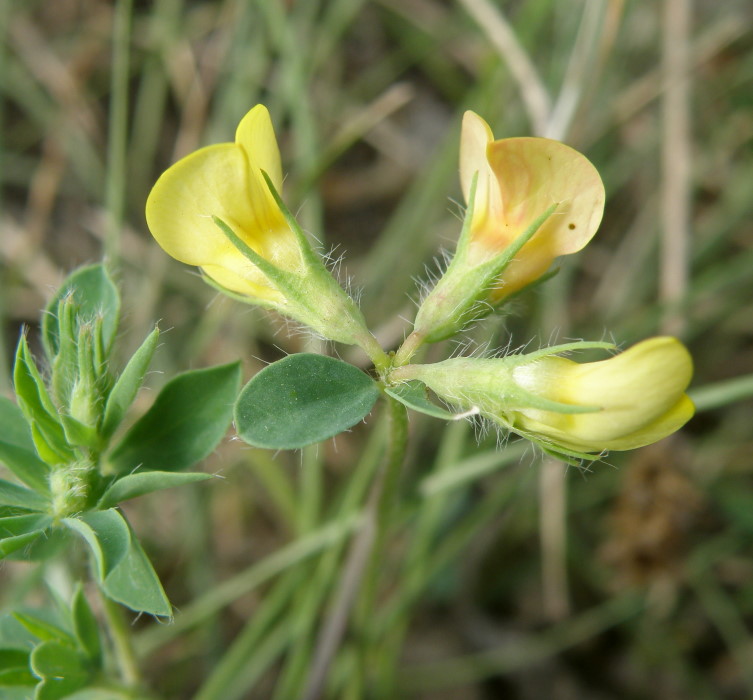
(531, 174)
(534, 173)
(256, 135)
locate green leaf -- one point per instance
(12, 658)
(128, 383)
(100, 693)
(94, 295)
(26, 466)
(14, 669)
(19, 530)
(135, 584)
(20, 524)
(12, 544)
(37, 406)
(302, 399)
(16, 693)
(186, 422)
(78, 434)
(43, 629)
(15, 429)
(134, 485)
(122, 568)
(108, 536)
(85, 627)
(17, 448)
(414, 395)
(50, 543)
(61, 668)
(14, 495)
(13, 635)
(16, 676)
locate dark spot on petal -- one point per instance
(571, 226)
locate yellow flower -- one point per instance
(215, 209)
(571, 409)
(225, 181)
(518, 180)
(529, 200)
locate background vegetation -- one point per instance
(507, 576)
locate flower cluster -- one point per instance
(529, 201)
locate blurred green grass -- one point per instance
(646, 588)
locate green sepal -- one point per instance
(85, 627)
(14, 495)
(86, 395)
(564, 454)
(303, 399)
(127, 385)
(64, 364)
(307, 252)
(184, 424)
(459, 297)
(414, 395)
(141, 483)
(314, 296)
(94, 295)
(524, 358)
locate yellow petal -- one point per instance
(215, 181)
(256, 135)
(667, 424)
(475, 137)
(639, 392)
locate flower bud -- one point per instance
(571, 409)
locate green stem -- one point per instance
(398, 426)
(120, 634)
(408, 349)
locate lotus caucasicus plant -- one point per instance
(220, 209)
(570, 409)
(530, 200)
